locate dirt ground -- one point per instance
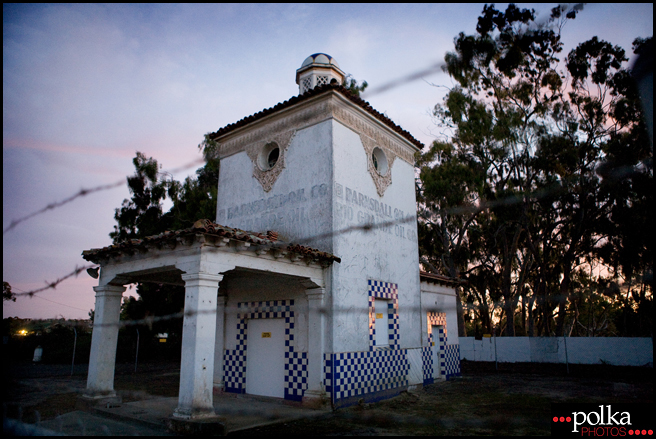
(514, 400)
(511, 400)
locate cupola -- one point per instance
(318, 69)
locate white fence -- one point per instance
(617, 351)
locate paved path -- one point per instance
(149, 417)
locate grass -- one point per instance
(515, 400)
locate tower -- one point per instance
(331, 304)
(326, 170)
(318, 69)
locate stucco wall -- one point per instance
(324, 188)
(389, 254)
(297, 206)
(617, 351)
(261, 288)
(439, 298)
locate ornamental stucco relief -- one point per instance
(268, 177)
(381, 181)
(291, 122)
(281, 130)
(366, 128)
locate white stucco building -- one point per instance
(334, 306)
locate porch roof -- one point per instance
(439, 279)
(206, 231)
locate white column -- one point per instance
(198, 337)
(219, 347)
(315, 344)
(104, 339)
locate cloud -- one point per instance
(65, 148)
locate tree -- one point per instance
(517, 197)
(6, 292)
(352, 85)
(142, 216)
(196, 198)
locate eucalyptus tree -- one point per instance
(142, 215)
(516, 200)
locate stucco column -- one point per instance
(316, 319)
(104, 339)
(219, 348)
(198, 337)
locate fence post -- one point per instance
(566, 359)
(74, 346)
(496, 365)
(136, 356)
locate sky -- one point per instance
(85, 86)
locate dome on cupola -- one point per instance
(319, 58)
(318, 69)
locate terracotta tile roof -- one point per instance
(316, 92)
(209, 229)
(438, 278)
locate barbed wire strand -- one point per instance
(620, 172)
(84, 192)
(555, 189)
(271, 415)
(356, 413)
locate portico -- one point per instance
(277, 319)
(210, 261)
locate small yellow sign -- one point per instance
(162, 340)
(266, 335)
(487, 335)
(379, 315)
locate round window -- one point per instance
(269, 156)
(380, 161)
(273, 157)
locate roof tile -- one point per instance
(316, 92)
(206, 227)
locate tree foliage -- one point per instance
(142, 215)
(545, 170)
(353, 86)
(7, 294)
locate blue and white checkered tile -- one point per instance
(440, 343)
(296, 363)
(441, 336)
(452, 360)
(271, 309)
(436, 319)
(328, 372)
(384, 290)
(296, 375)
(241, 335)
(234, 371)
(361, 373)
(427, 364)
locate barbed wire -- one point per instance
(56, 204)
(425, 406)
(404, 80)
(555, 189)
(366, 413)
(48, 300)
(366, 227)
(481, 205)
(53, 284)
(84, 192)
